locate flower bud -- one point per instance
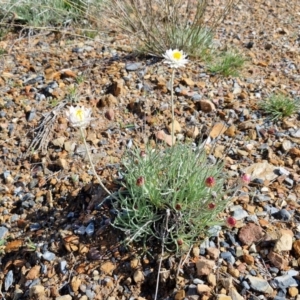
(143, 154)
(179, 242)
(178, 206)
(231, 221)
(140, 181)
(246, 178)
(211, 205)
(210, 181)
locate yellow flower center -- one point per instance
(79, 114)
(177, 55)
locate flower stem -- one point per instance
(91, 162)
(172, 104)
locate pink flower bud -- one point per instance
(143, 154)
(178, 206)
(140, 181)
(246, 178)
(231, 221)
(210, 181)
(179, 242)
(211, 205)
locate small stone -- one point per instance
(223, 297)
(196, 251)
(180, 295)
(204, 267)
(213, 252)
(177, 127)
(37, 292)
(286, 145)
(285, 281)
(33, 273)
(250, 233)
(64, 297)
(277, 260)
(203, 288)
(284, 243)
(259, 284)
(233, 293)
(49, 256)
(248, 259)
(293, 291)
(108, 268)
(9, 279)
(296, 247)
(133, 66)
(188, 81)
(162, 136)
(134, 263)
(75, 284)
(118, 88)
(3, 232)
(110, 114)
(212, 279)
(59, 142)
(230, 131)
(207, 106)
(282, 214)
(138, 276)
(217, 130)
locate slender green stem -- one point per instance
(172, 104)
(91, 162)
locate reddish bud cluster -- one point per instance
(210, 181)
(140, 181)
(231, 221)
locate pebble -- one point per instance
(138, 276)
(133, 66)
(204, 267)
(285, 281)
(250, 233)
(203, 288)
(284, 243)
(3, 232)
(259, 284)
(9, 279)
(64, 297)
(49, 256)
(282, 215)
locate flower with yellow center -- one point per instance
(79, 116)
(175, 58)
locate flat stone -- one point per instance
(250, 233)
(262, 170)
(259, 284)
(64, 297)
(177, 127)
(217, 130)
(108, 267)
(207, 106)
(204, 267)
(293, 291)
(213, 252)
(284, 243)
(223, 297)
(233, 293)
(277, 260)
(296, 247)
(3, 232)
(285, 281)
(138, 276)
(203, 288)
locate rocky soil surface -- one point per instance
(55, 237)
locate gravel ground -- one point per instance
(55, 238)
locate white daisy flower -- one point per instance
(175, 58)
(79, 116)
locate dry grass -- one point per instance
(159, 25)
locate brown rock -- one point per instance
(107, 101)
(285, 241)
(75, 284)
(213, 252)
(118, 88)
(188, 81)
(217, 130)
(33, 273)
(248, 259)
(204, 266)
(180, 295)
(193, 133)
(207, 106)
(110, 114)
(295, 151)
(278, 260)
(108, 268)
(138, 276)
(250, 233)
(162, 136)
(203, 288)
(223, 297)
(212, 279)
(296, 247)
(177, 127)
(293, 291)
(230, 131)
(37, 292)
